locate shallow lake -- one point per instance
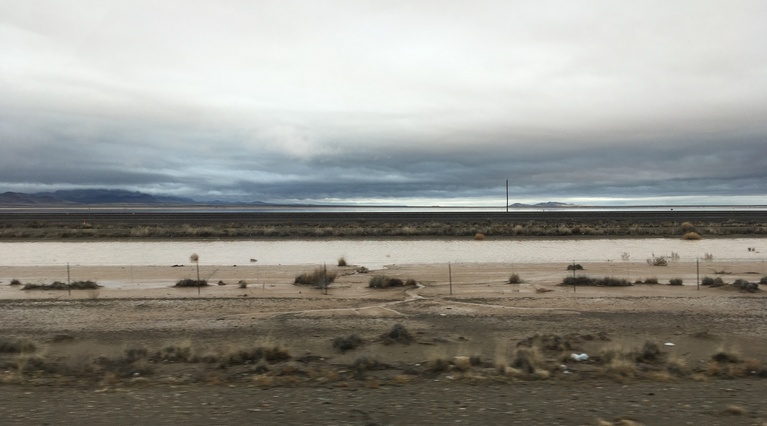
(372, 253)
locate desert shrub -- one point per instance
(347, 343)
(691, 236)
(651, 281)
(675, 281)
(575, 267)
(251, 355)
(15, 282)
(84, 285)
(173, 353)
(380, 281)
(362, 270)
(707, 281)
(687, 227)
(479, 236)
(189, 282)
(549, 342)
(744, 285)
(600, 282)
(319, 278)
(16, 346)
(725, 357)
(365, 363)
(274, 354)
(515, 279)
(341, 261)
(243, 284)
(438, 365)
(657, 261)
(135, 354)
(613, 282)
(650, 352)
(527, 360)
(763, 280)
(398, 334)
(58, 285)
(708, 257)
(579, 280)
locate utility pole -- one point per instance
(507, 195)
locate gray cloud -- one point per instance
(418, 101)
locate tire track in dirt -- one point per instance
(410, 295)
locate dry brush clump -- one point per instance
(730, 364)
(189, 282)
(58, 285)
(347, 343)
(744, 285)
(713, 282)
(16, 346)
(382, 281)
(318, 278)
(397, 334)
(583, 280)
(515, 279)
(657, 260)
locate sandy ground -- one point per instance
(478, 315)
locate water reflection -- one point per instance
(372, 253)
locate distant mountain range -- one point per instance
(548, 204)
(119, 196)
(90, 196)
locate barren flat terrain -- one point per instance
(141, 351)
(456, 344)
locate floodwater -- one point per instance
(374, 253)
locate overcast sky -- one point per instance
(414, 102)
